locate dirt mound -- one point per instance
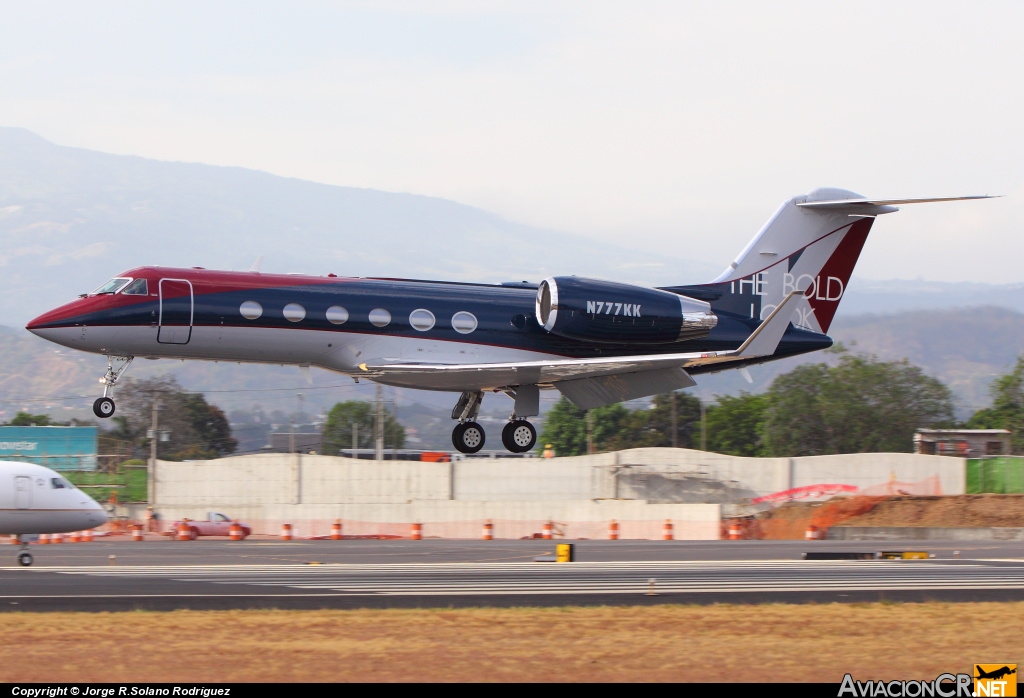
(790, 521)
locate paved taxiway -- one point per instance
(367, 573)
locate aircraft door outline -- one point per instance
(22, 492)
(176, 314)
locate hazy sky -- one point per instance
(675, 126)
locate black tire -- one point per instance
(103, 407)
(519, 436)
(25, 559)
(193, 533)
(468, 437)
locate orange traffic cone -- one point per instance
(235, 532)
(613, 530)
(488, 530)
(666, 531)
(336, 530)
(286, 531)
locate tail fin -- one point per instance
(811, 244)
(801, 248)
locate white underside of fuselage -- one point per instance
(342, 352)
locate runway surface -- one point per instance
(351, 574)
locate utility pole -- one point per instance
(379, 450)
(703, 426)
(675, 422)
(151, 470)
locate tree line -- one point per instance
(858, 405)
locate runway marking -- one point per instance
(535, 579)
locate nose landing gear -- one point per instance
(103, 407)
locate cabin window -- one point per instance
(250, 310)
(463, 322)
(139, 287)
(112, 286)
(56, 483)
(380, 317)
(337, 315)
(293, 312)
(421, 319)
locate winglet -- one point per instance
(257, 264)
(765, 339)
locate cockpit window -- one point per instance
(56, 483)
(112, 286)
(139, 287)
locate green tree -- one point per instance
(861, 405)
(652, 427)
(565, 427)
(1007, 410)
(337, 433)
(197, 429)
(734, 424)
(24, 419)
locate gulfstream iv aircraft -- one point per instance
(597, 342)
(35, 500)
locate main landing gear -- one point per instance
(103, 407)
(518, 436)
(24, 556)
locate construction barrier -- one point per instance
(488, 530)
(183, 532)
(814, 533)
(56, 538)
(137, 533)
(336, 530)
(546, 531)
(44, 539)
(286, 531)
(87, 536)
(666, 532)
(613, 530)
(76, 537)
(735, 530)
(417, 531)
(236, 532)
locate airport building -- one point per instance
(59, 448)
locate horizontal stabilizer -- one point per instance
(588, 393)
(868, 205)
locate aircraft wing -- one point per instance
(588, 382)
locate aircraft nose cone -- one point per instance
(51, 318)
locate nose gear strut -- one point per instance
(103, 407)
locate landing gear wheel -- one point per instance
(519, 436)
(468, 437)
(103, 407)
(25, 559)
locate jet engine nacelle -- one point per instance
(606, 312)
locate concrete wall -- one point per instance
(639, 485)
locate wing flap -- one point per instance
(588, 393)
